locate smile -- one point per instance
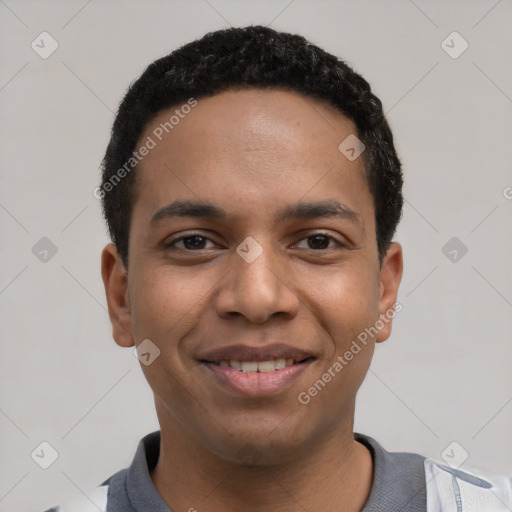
(256, 372)
(258, 366)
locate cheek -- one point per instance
(345, 302)
(167, 302)
(345, 306)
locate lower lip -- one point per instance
(258, 383)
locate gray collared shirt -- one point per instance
(398, 481)
(402, 482)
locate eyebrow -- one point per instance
(299, 210)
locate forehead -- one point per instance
(252, 119)
(249, 149)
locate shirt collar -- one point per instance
(398, 478)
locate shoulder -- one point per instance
(408, 481)
(450, 489)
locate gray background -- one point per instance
(444, 375)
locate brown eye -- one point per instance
(189, 243)
(319, 242)
(194, 242)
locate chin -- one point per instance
(261, 445)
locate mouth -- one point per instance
(271, 365)
(256, 372)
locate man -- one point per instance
(252, 190)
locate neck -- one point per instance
(333, 475)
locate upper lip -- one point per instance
(261, 353)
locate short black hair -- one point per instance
(255, 57)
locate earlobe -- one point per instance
(390, 277)
(115, 280)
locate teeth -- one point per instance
(280, 364)
(237, 365)
(249, 367)
(258, 366)
(266, 366)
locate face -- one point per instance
(253, 269)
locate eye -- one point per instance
(196, 242)
(319, 241)
(192, 242)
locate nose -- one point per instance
(257, 290)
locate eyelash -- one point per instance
(172, 244)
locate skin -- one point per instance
(253, 152)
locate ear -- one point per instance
(115, 280)
(390, 277)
